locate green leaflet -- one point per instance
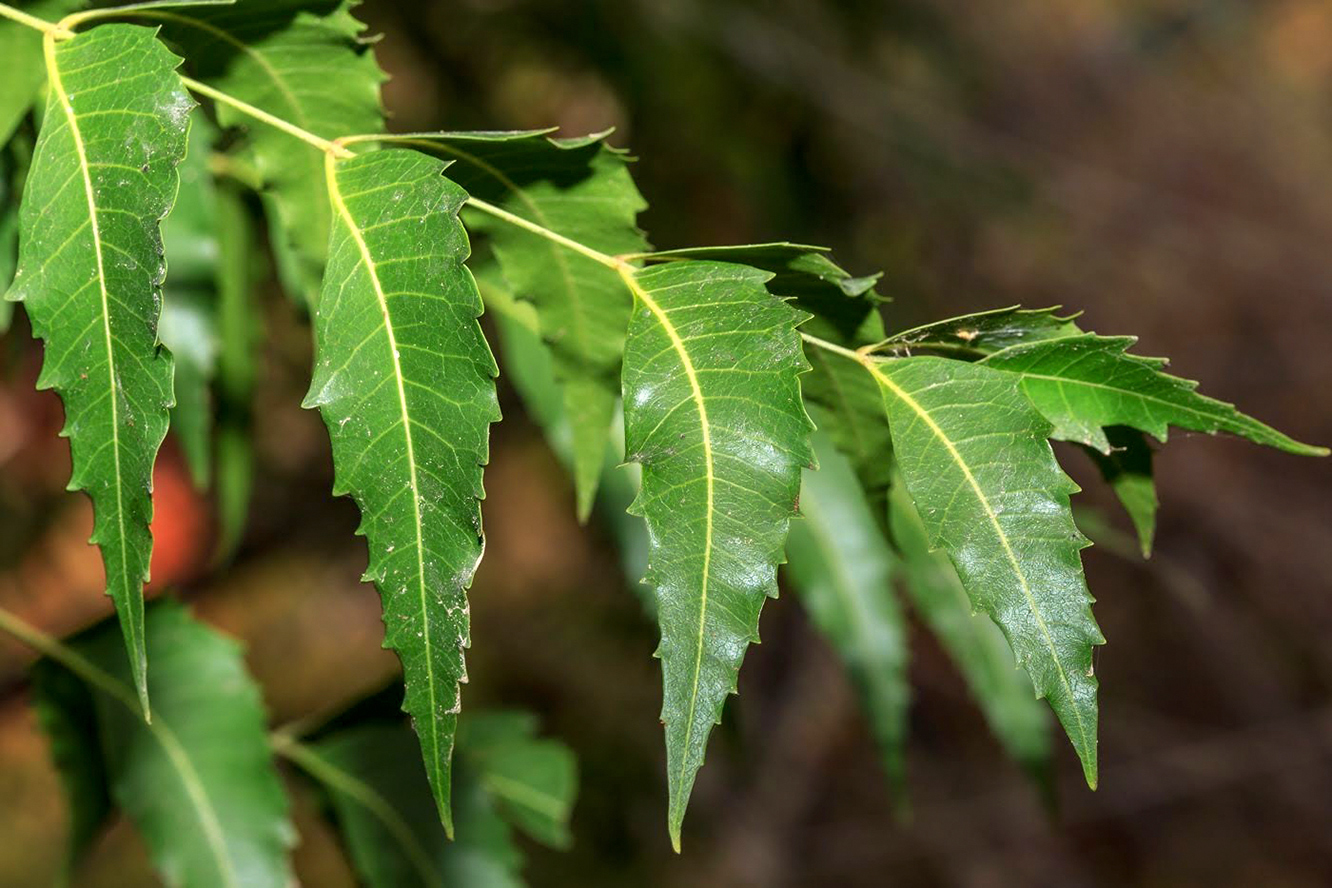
(198, 782)
(531, 781)
(976, 335)
(90, 264)
(973, 456)
(21, 68)
(383, 803)
(847, 405)
(1086, 382)
(526, 364)
(1127, 468)
(279, 55)
(581, 189)
(64, 706)
(843, 570)
(712, 411)
(189, 323)
(404, 380)
(972, 640)
(238, 323)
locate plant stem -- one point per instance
(824, 344)
(291, 129)
(50, 646)
(32, 21)
(584, 249)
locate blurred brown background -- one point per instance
(1163, 165)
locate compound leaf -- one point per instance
(713, 413)
(279, 55)
(843, 569)
(199, 781)
(90, 269)
(1084, 383)
(973, 456)
(405, 382)
(581, 189)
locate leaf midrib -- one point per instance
(58, 88)
(335, 198)
(925, 417)
(640, 293)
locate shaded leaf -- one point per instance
(90, 268)
(198, 782)
(21, 69)
(1084, 383)
(526, 364)
(713, 414)
(383, 803)
(975, 461)
(843, 570)
(982, 654)
(1127, 468)
(579, 188)
(64, 706)
(189, 324)
(279, 55)
(404, 380)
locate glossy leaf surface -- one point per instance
(404, 380)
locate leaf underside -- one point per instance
(713, 414)
(199, 782)
(973, 456)
(90, 269)
(579, 188)
(405, 382)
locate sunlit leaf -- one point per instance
(713, 413)
(974, 458)
(404, 380)
(90, 265)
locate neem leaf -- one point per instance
(973, 456)
(581, 189)
(383, 804)
(976, 645)
(843, 569)
(1086, 382)
(844, 311)
(975, 335)
(189, 323)
(1127, 468)
(90, 268)
(405, 382)
(199, 781)
(713, 413)
(64, 706)
(21, 68)
(531, 780)
(280, 55)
